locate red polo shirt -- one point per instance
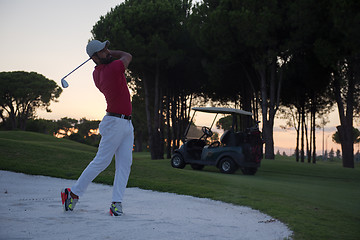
(110, 80)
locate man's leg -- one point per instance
(108, 145)
(123, 161)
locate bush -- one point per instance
(41, 126)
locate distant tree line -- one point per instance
(331, 156)
(83, 130)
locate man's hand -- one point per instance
(123, 56)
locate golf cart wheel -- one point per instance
(177, 161)
(227, 165)
(197, 166)
(249, 170)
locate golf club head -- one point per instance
(64, 83)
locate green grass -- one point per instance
(320, 201)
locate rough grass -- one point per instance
(318, 201)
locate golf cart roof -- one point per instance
(221, 110)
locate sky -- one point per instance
(50, 37)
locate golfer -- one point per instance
(116, 129)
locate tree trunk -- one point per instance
(162, 126)
(168, 127)
(2, 117)
(267, 131)
(314, 134)
(254, 107)
(308, 149)
(246, 100)
(346, 128)
(269, 106)
(302, 131)
(12, 116)
(298, 136)
(180, 119)
(148, 115)
(24, 116)
(269, 141)
(138, 142)
(156, 150)
(347, 146)
(174, 122)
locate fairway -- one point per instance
(316, 201)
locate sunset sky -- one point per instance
(49, 37)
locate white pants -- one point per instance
(117, 137)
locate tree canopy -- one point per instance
(21, 93)
(356, 136)
(256, 54)
(154, 32)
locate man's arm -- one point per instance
(123, 56)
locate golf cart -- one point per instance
(239, 147)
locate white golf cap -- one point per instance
(95, 46)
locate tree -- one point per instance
(154, 33)
(331, 29)
(86, 131)
(325, 157)
(42, 126)
(21, 93)
(228, 66)
(86, 127)
(306, 79)
(331, 154)
(339, 49)
(139, 121)
(306, 91)
(247, 40)
(224, 123)
(66, 126)
(356, 136)
(338, 153)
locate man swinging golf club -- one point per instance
(116, 128)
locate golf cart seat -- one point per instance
(230, 138)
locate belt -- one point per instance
(118, 115)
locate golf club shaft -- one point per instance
(76, 68)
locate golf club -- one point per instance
(64, 83)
